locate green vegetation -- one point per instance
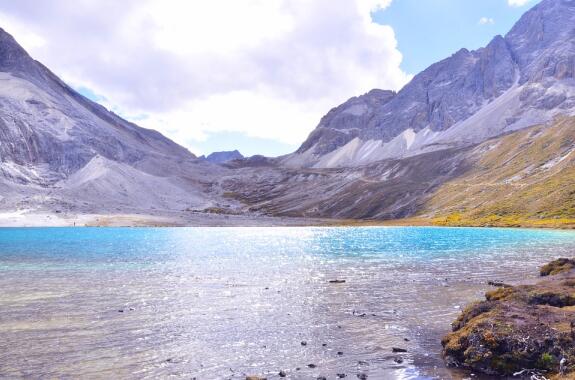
(525, 179)
(557, 266)
(547, 361)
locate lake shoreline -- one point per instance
(25, 218)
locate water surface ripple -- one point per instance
(215, 303)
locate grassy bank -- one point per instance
(525, 179)
(463, 220)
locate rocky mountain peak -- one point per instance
(516, 81)
(543, 41)
(13, 58)
(343, 123)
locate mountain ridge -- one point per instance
(379, 156)
(441, 105)
(222, 157)
(39, 91)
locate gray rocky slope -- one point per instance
(516, 81)
(61, 151)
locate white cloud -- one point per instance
(268, 117)
(486, 21)
(517, 3)
(266, 68)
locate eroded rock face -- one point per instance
(345, 122)
(517, 328)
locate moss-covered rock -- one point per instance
(557, 266)
(516, 328)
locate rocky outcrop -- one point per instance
(519, 329)
(345, 122)
(557, 266)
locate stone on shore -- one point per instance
(519, 327)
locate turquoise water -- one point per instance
(226, 302)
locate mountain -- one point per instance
(517, 81)
(61, 151)
(223, 157)
(483, 137)
(523, 178)
(46, 123)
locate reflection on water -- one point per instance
(225, 302)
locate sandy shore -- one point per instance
(185, 219)
(137, 218)
(36, 218)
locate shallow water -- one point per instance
(225, 302)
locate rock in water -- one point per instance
(517, 328)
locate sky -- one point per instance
(252, 75)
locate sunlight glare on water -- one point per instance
(218, 303)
